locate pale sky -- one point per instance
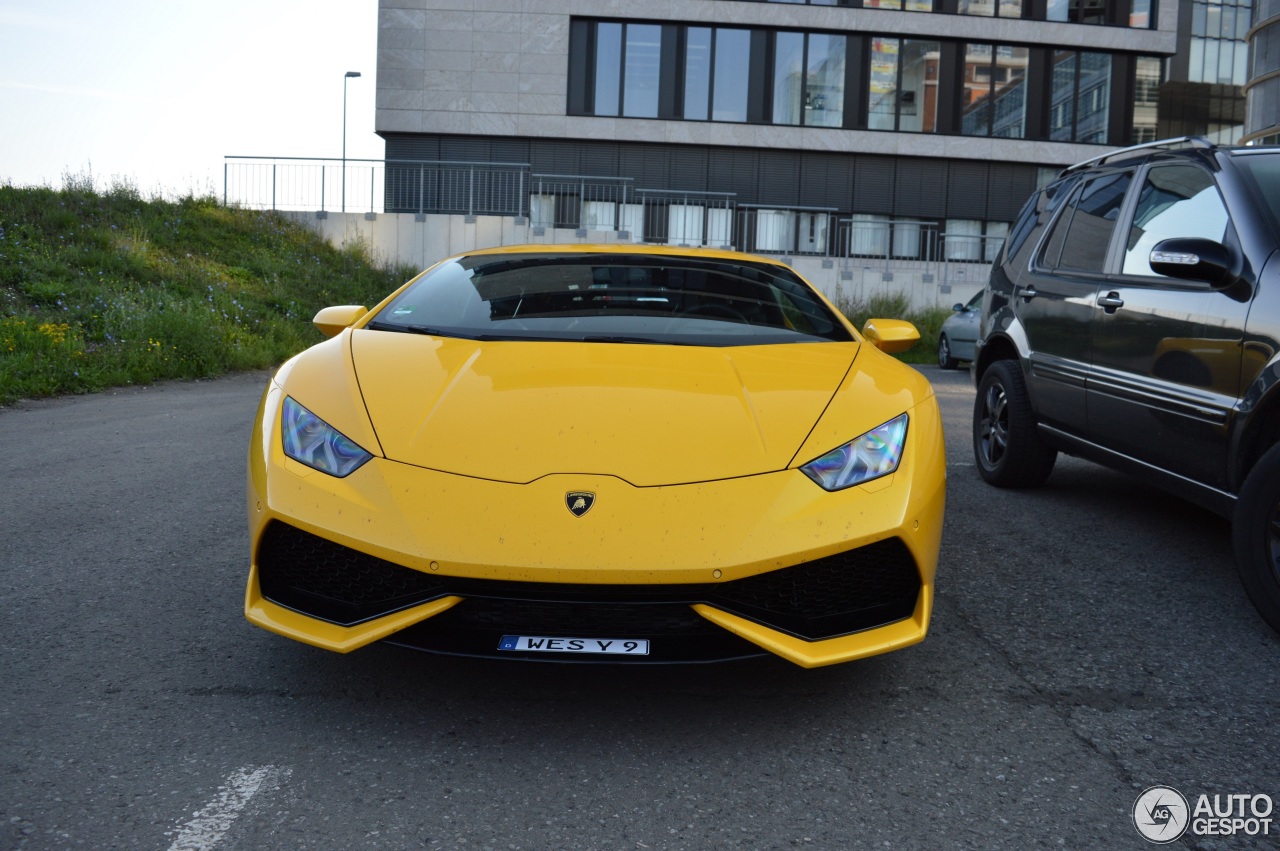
(157, 92)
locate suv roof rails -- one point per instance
(1163, 144)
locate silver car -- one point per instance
(958, 333)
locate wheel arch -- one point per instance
(996, 348)
(1259, 425)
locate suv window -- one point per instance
(1082, 234)
(1176, 201)
(1265, 170)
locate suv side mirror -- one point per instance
(1193, 259)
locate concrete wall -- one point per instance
(420, 241)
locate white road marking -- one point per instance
(206, 829)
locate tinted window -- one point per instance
(612, 298)
(1176, 201)
(1082, 234)
(1265, 170)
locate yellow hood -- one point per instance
(648, 414)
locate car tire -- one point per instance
(1256, 533)
(945, 360)
(1006, 447)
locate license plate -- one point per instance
(545, 644)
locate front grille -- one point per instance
(317, 577)
(851, 591)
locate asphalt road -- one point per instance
(1090, 640)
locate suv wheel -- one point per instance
(945, 361)
(1256, 530)
(1006, 447)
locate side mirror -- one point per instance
(331, 320)
(891, 335)
(957, 307)
(1193, 259)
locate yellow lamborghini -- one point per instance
(621, 454)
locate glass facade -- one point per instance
(1218, 52)
(1133, 13)
(905, 85)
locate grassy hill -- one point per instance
(101, 290)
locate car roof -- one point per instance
(1186, 146)
(623, 249)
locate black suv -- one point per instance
(1133, 318)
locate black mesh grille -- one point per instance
(858, 589)
(315, 576)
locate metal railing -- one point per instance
(372, 186)
(466, 188)
(581, 202)
(588, 206)
(302, 183)
(675, 217)
(772, 229)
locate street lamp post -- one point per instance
(345, 77)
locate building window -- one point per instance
(1081, 97)
(824, 81)
(908, 85)
(713, 72)
(903, 90)
(626, 69)
(909, 5)
(1146, 98)
(729, 84)
(608, 71)
(1218, 52)
(995, 91)
(788, 78)
(697, 73)
(1140, 14)
(990, 8)
(1122, 13)
(640, 71)
(808, 79)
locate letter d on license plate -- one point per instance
(544, 644)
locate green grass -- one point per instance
(898, 306)
(107, 289)
(101, 290)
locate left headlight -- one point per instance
(311, 441)
(870, 456)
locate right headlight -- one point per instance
(310, 440)
(863, 459)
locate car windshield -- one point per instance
(612, 298)
(1264, 167)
